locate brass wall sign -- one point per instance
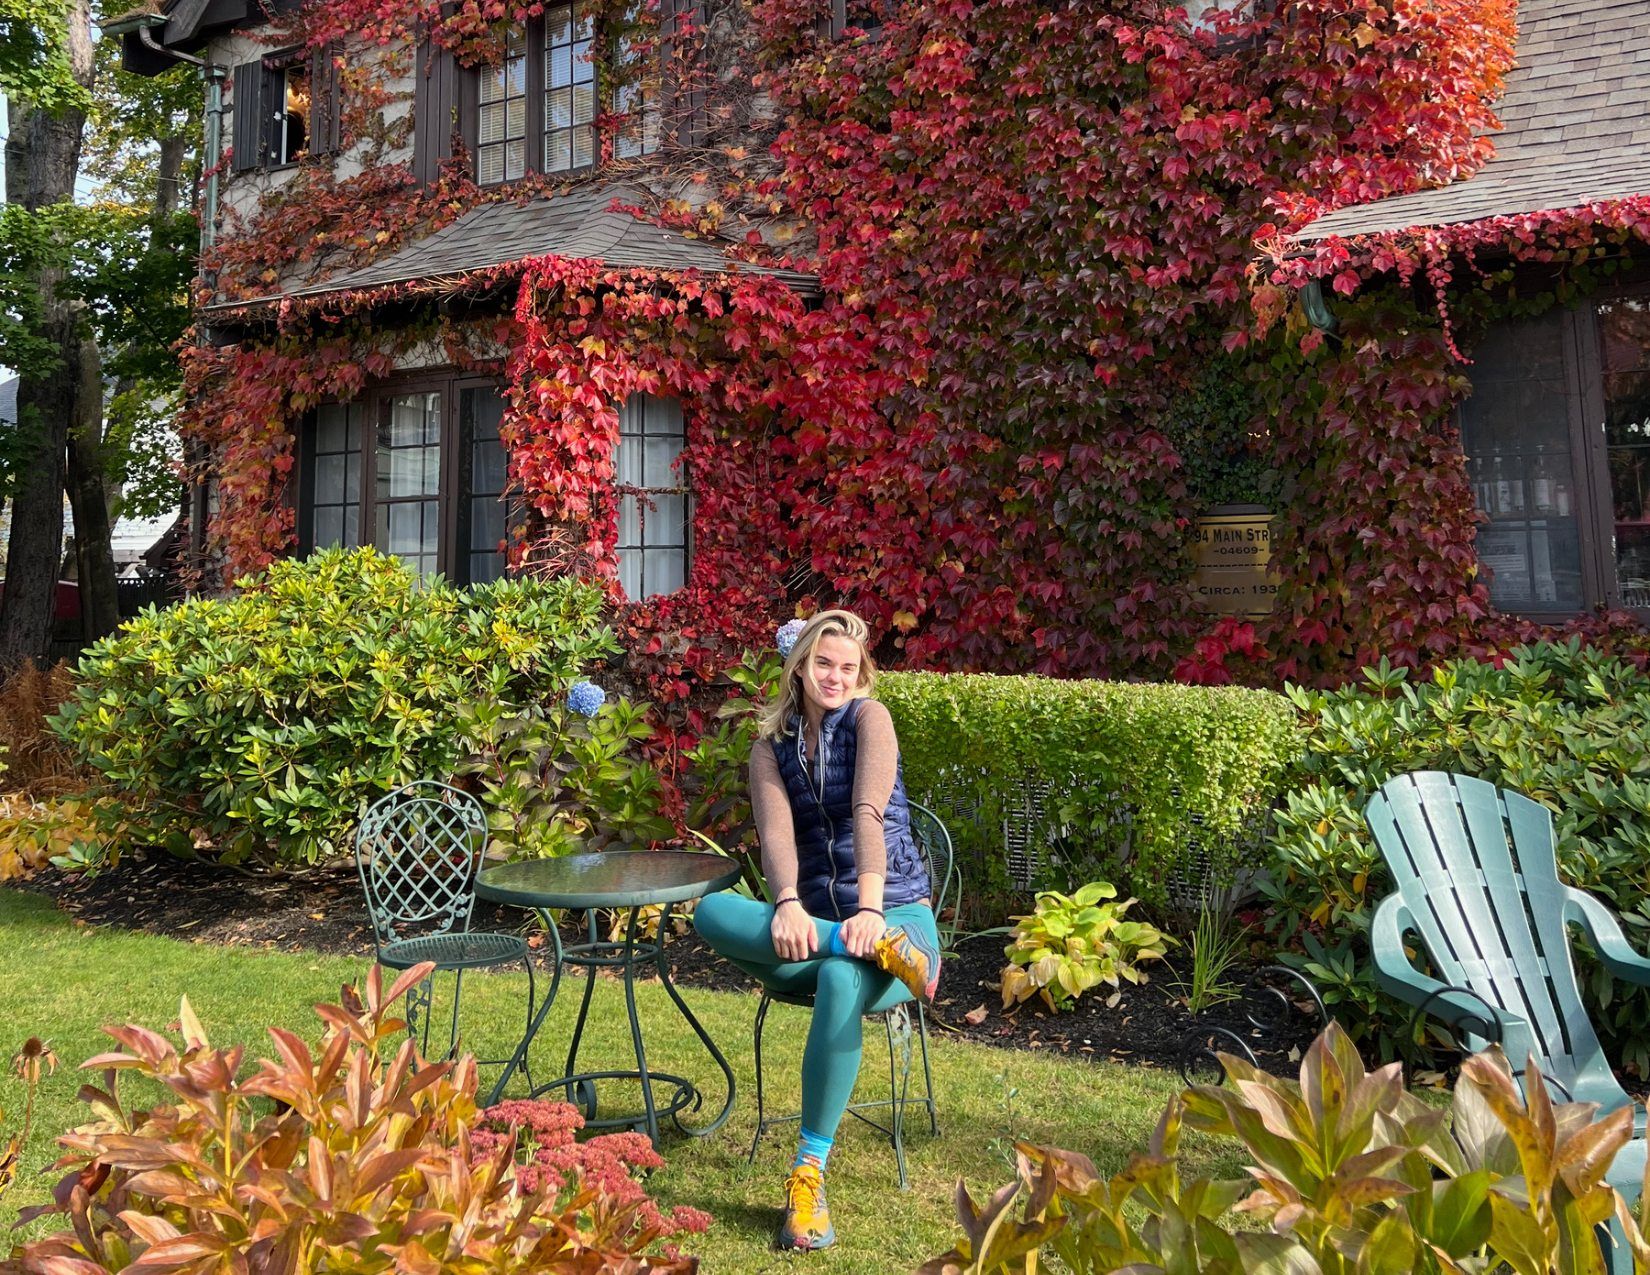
(1232, 551)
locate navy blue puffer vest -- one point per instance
(822, 800)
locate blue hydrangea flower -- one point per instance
(785, 639)
(585, 698)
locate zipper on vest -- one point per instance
(818, 791)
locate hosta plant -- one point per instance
(1072, 943)
(1347, 1172)
(352, 1156)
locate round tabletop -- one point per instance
(612, 879)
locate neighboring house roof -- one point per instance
(8, 401)
(1576, 126)
(579, 225)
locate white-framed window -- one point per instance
(654, 497)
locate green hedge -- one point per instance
(1565, 726)
(1102, 780)
(261, 723)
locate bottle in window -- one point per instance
(1541, 485)
(1503, 501)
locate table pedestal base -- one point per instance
(579, 1087)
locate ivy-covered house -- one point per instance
(949, 312)
(1556, 429)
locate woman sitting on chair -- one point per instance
(851, 912)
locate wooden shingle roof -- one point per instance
(1576, 126)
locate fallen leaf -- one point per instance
(975, 1016)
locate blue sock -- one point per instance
(810, 1146)
(834, 946)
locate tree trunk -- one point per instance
(87, 483)
(42, 159)
(92, 494)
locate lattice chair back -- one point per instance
(419, 850)
(935, 843)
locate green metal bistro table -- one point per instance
(631, 881)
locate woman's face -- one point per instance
(833, 672)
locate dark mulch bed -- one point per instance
(322, 910)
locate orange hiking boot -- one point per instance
(908, 957)
(807, 1223)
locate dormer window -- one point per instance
(286, 108)
(535, 111)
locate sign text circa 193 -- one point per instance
(1232, 551)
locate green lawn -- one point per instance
(65, 981)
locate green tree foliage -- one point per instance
(33, 63)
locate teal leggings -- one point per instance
(844, 989)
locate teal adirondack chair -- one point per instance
(1477, 880)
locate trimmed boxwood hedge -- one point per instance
(1140, 782)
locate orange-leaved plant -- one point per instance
(356, 1156)
(1347, 1172)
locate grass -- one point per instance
(67, 980)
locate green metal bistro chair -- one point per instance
(1477, 879)
(419, 851)
(894, 1008)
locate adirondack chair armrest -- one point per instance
(1457, 1006)
(1618, 955)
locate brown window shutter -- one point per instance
(684, 71)
(326, 133)
(250, 137)
(435, 81)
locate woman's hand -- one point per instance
(792, 930)
(860, 933)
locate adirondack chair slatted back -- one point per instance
(419, 850)
(1476, 871)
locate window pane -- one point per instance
(406, 529)
(558, 108)
(664, 571)
(630, 522)
(352, 475)
(661, 454)
(584, 103)
(630, 573)
(666, 521)
(492, 123)
(352, 526)
(1515, 428)
(629, 466)
(558, 152)
(331, 427)
(1624, 341)
(485, 567)
(329, 479)
(490, 164)
(584, 147)
(515, 160)
(329, 526)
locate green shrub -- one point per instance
(1071, 943)
(263, 722)
(1153, 781)
(355, 1155)
(1566, 726)
(1347, 1171)
(557, 782)
(1097, 778)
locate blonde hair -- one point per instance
(787, 703)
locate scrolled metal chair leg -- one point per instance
(761, 1117)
